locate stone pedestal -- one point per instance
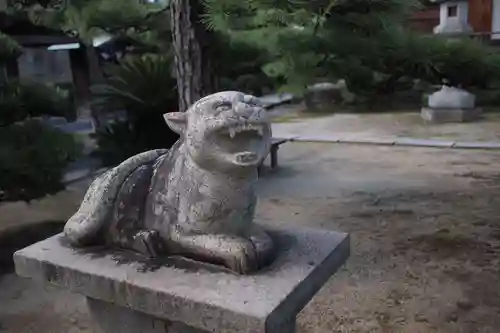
(129, 294)
(451, 104)
(450, 115)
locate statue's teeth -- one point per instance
(261, 131)
(232, 132)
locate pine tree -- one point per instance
(309, 39)
(365, 42)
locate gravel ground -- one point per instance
(425, 241)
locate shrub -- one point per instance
(21, 100)
(33, 156)
(144, 87)
(241, 67)
(32, 160)
(9, 48)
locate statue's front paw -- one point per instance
(242, 258)
(148, 242)
(264, 247)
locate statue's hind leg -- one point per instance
(128, 230)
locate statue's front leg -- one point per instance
(263, 244)
(234, 252)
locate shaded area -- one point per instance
(19, 237)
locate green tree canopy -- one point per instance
(360, 40)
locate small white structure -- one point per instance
(451, 104)
(453, 18)
(495, 20)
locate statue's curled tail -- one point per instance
(97, 206)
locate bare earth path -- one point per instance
(425, 242)
(382, 126)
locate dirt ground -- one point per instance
(425, 242)
(290, 122)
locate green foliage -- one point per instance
(33, 156)
(32, 160)
(242, 67)
(143, 86)
(145, 23)
(117, 142)
(307, 40)
(9, 48)
(139, 84)
(362, 41)
(21, 100)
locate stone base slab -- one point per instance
(126, 290)
(450, 115)
(109, 318)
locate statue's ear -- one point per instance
(177, 121)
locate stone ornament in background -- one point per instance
(196, 199)
(451, 104)
(452, 98)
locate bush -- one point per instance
(33, 156)
(9, 48)
(32, 160)
(143, 86)
(116, 142)
(21, 100)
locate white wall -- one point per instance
(495, 23)
(457, 24)
(462, 7)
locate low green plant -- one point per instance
(116, 142)
(9, 48)
(144, 87)
(21, 100)
(33, 157)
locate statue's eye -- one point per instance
(224, 106)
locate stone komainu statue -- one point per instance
(196, 199)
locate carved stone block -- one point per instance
(451, 104)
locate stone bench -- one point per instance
(127, 294)
(273, 152)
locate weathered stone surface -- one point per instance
(451, 104)
(109, 318)
(450, 115)
(423, 142)
(373, 141)
(456, 24)
(477, 145)
(198, 295)
(323, 96)
(452, 98)
(196, 199)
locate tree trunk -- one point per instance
(194, 66)
(81, 81)
(86, 71)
